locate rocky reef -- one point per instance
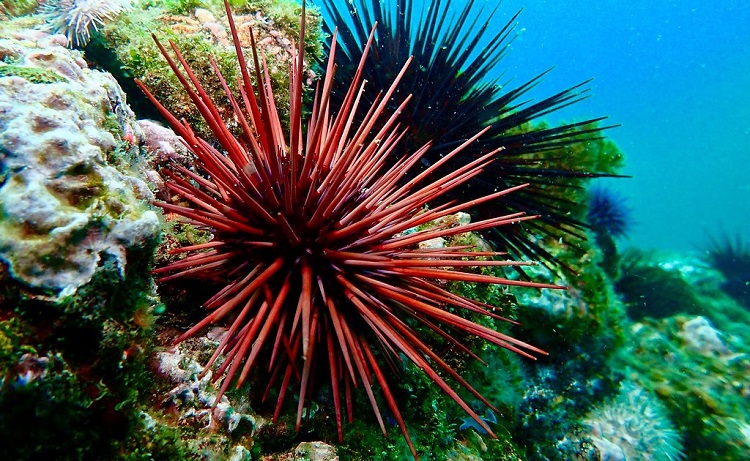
(64, 207)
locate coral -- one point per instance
(634, 426)
(315, 257)
(455, 96)
(63, 207)
(732, 259)
(76, 19)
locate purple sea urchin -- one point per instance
(323, 285)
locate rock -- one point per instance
(194, 396)
(63, 207)
(164, 148)
(315, 451)
(700, 336)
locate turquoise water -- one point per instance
(676, 77)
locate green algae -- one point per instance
(126, 49)
(705, 394)
(32, 74)
(13, 8)
(700, 375)
(650, 290)
(88, 356)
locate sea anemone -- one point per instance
(76, 18)
(315, 239)
(608, 214)
(635, 426)
(455, 53)
(731, 257)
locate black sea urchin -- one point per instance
(455, 49)
(731, 257)
(323, 285)
(608, 213)
(609, 218)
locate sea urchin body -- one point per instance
(323, 284)
(608, 213)
(76, 18)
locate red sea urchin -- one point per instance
(310, 237)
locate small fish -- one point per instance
(469, 422)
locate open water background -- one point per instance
(676, 76)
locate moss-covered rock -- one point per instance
(77, 301)
(78, 363)
(12, 8)
(701, 380)
(652, 288)
(32, 74)
(63, 207)
(696, 364)
(126, 48)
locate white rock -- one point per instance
(63, 207)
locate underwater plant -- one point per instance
(650, 290)
(732, 259)
(316, 243)
(124, 48)
(77, 18)
(14, 8)
(456, 51)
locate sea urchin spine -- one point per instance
(323, 281)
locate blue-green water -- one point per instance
(676, 77)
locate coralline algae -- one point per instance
(62, 207)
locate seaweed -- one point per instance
(651, 290)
